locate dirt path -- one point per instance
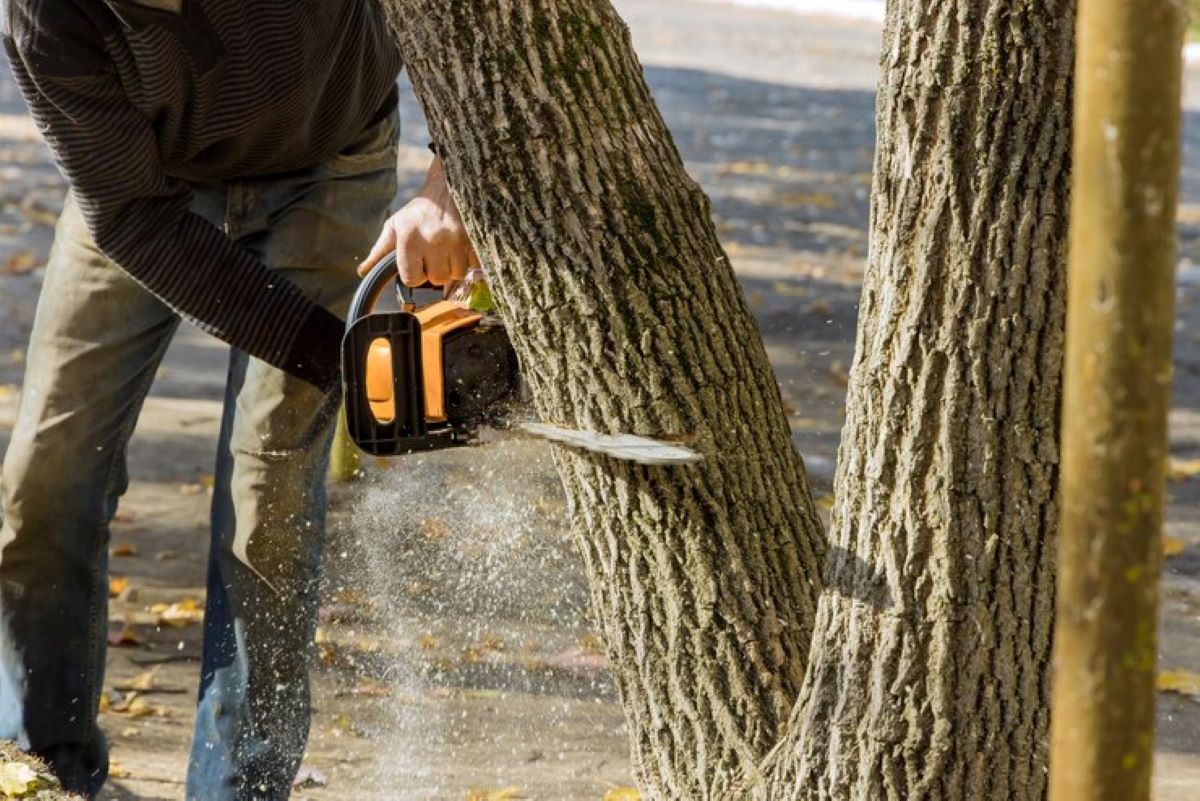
(456, 652)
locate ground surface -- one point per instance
(456, 651)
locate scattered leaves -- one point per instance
(134, 706)
(308, 778)
(179, 614)
(623, 794)
(125, 637)
(435, 529)
(342, 724)
(592, 644)
(143, 682)
(507, 794)
(368, 688)
(18, 780)
(787, 290)
(1183, 469)
(1172, 546)
(1180, 682)
(21, 262)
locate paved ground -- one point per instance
(456, 652)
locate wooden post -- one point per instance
(1118, 374)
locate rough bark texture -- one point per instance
(628, 318)
(929, 673)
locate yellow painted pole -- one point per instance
(1118, 374)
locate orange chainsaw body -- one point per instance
(423, 378)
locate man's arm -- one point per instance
(140, 217)
(427, 235)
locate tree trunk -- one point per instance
(929, 673)
(628, 319)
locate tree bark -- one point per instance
(929, 673)
(628, 319)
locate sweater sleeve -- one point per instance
(140, 217)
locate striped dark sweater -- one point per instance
(139, 99)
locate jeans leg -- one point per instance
(269, 492)
(263, 586)
(96, 344)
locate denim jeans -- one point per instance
(96, 344)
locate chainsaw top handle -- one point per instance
(371, 289)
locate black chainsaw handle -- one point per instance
(371, 289)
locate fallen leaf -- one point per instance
(134, 706)
(1180, 682)
(143, 682)
(788, 290)
(592, 643)
(623, 794)
(207, 481)
(309, 777)
(105, 705)
(342, 724)
(179, 614)
(435, 529)
(1172, 546)
(118, 771)
(21, 262)
(125, 637)
(117, 585)
(1183, 469)
(368, 688)
(507, 794)
(123, 549)
(17, 780)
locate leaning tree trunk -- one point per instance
(628, 318)
(929, 673)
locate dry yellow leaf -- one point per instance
(17, 780)
(133, 706)
(179, 614)
(117, 585)
(118, 771)
(124, 549)
(125, 636)
(507, 794)
(623, 794)
(143, 682)
(788, 290)
(1183, 469)
(435, 529)
(1180, 682)
(1172, 546)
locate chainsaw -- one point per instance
(423, 378)
(427, 377)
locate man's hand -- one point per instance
(428, 236)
